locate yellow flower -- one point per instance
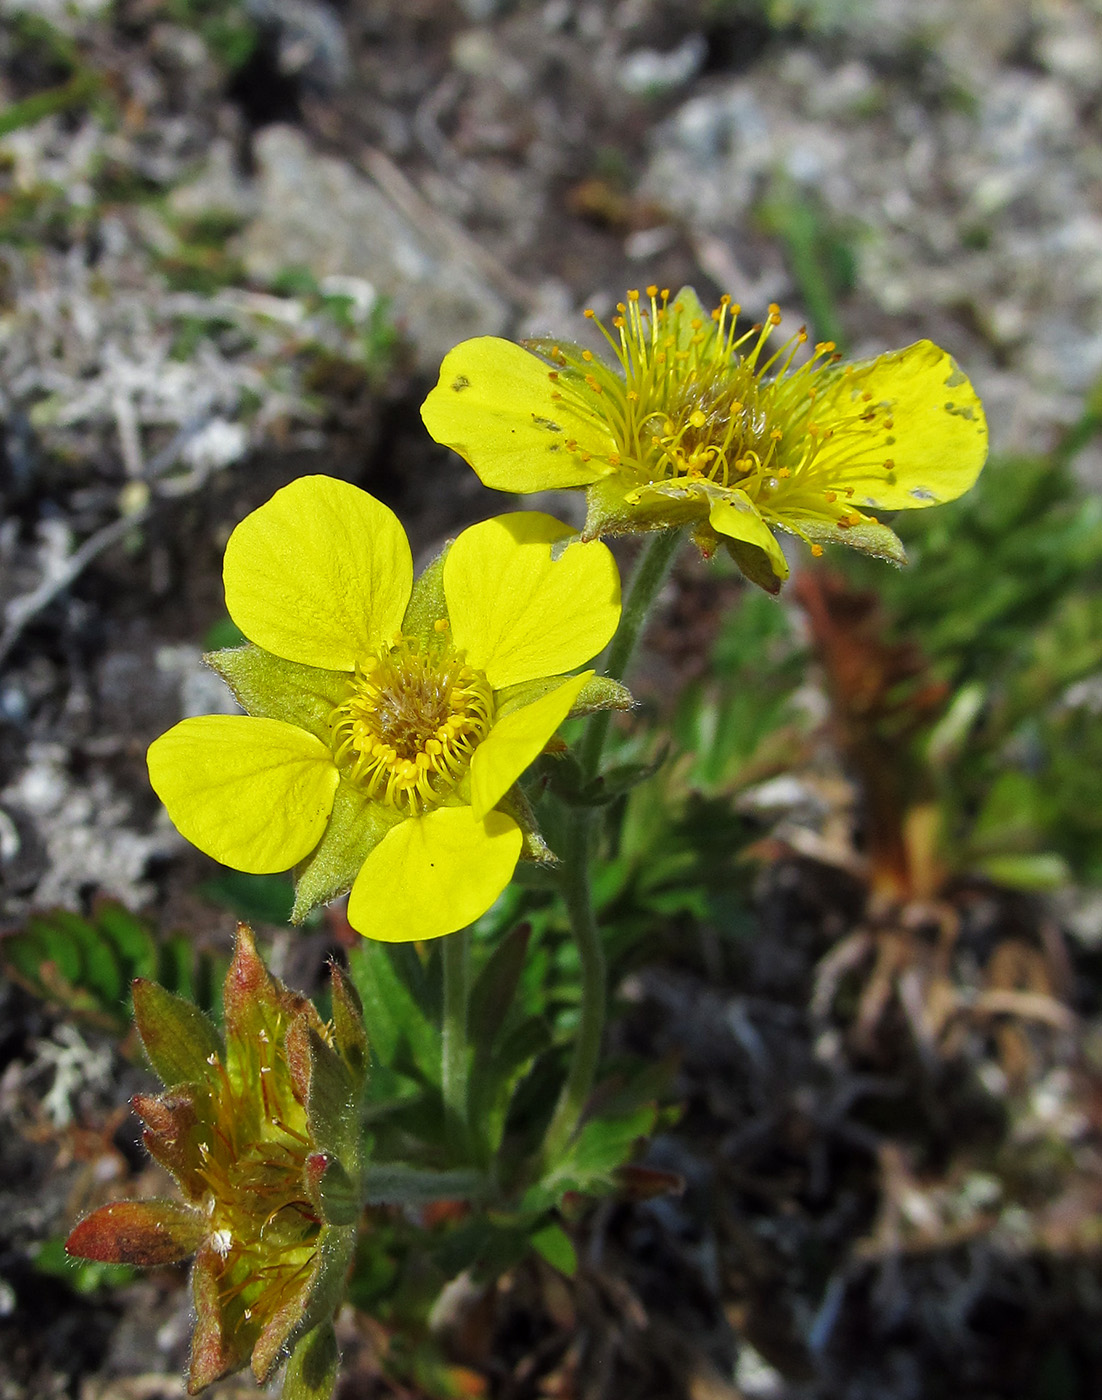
(387, 722)
(699, 424)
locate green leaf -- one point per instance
(99, 969)
(494, 990)
(391, 1013)
(130, 937)
(59, 947)
(265, 899)
(556, 1246)
(1044, 870)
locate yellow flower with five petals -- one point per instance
(696, 423)
(387, 721)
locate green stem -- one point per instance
(455, 952)
(591, 1024)
(650, 573)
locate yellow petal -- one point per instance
(733, 514)
(520, 614)
(253, 793)
(515, 741)
(434, 874)
(321, 574)
(493, 406)
(934, 442)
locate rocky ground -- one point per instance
(234, 245)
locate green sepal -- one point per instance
(356, 826)
(570, 785)
(257, 1006)
(325, 1088)
(178, 1038)
(598, 693)
(611, 511)
(311, 1372)
(601, 693)
(349, 1031)
(533, 847)
(690, 310)
(869, 536)
(333, 1193)
(335, 1248)
(753, 563)
(271, 688)
(427, 604)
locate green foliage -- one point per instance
(224, 25)
(820, 255)
(1004, 598)
(85, 966)
(84, 1276)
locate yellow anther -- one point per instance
(817, 551)
(440, 625)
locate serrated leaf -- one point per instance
(130, 938)
(60, 949)
(99, 970)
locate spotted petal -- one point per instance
(493, 405)
(321, 574)
(434, 874)
(519, 612)
(932, 442)
(253, 793)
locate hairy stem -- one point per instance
(650, 573)
(455, 952)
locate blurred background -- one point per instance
(858, 912)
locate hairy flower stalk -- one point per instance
(261, 1133)
(696, 421)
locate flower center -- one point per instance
(693, 399)
(412, 721)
